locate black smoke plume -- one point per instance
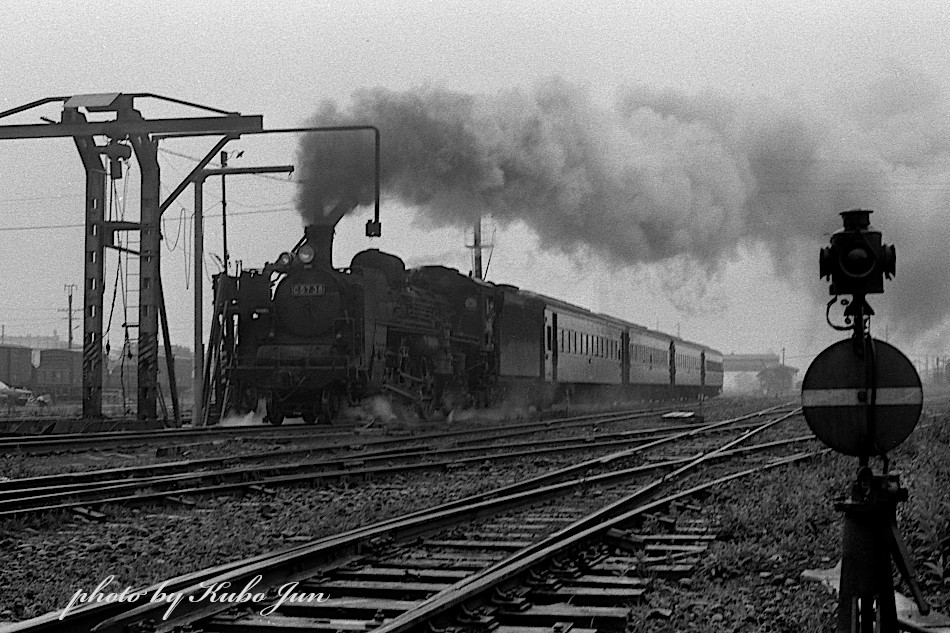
(659, 175)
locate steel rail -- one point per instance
(53, 486)
(92, 496)
(87, 616)
(79, 441)
(81, 496)
(298, 565)
(592, 526)
(116, 475)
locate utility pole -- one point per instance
(224, 209)
(477, 246)
(478, 271)
(69, 312)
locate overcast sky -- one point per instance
(724, 102)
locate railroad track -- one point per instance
(344, 433)
(529, 554)
(172, 482)
(113, 439)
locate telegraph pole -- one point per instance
(224, 209)
(69, 312)
(478, 272)
(477, 246)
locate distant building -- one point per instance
(777, 379)
(749, 362)
(35, 342)
(757, 373)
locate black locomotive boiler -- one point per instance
(305, 339)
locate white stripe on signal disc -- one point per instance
(849, 397)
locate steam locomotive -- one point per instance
(305, 339)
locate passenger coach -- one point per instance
(550, 349)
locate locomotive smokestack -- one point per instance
(320, 239)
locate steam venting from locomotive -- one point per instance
(660, 175)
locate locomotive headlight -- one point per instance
(305, 254)
(285, 259)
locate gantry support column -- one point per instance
(144, 135)
(93, 269)
(146, 151)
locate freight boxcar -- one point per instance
(16, 366)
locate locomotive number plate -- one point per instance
(308, 290)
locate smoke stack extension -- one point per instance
(320, 239)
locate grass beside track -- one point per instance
(779, 523)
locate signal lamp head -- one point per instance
(285, 260)
(305, 254)
(857, 261)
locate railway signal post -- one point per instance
(863, 397)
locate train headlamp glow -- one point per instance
(285, 259)
(305, 253)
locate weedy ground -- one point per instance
(782, 522)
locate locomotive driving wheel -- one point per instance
(275, 412)
(330, 405)
(429, 395)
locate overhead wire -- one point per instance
(207, 215)
(288, 179)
